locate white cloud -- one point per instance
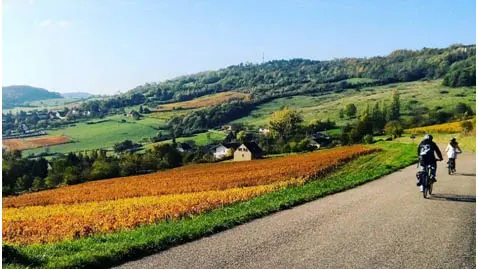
(44, 23)
(63, 24)
(18, 3)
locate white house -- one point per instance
(222, 150)
(264, 131)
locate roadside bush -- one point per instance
(53, 179)
(368, 139)
(103, 169)
(394, 128)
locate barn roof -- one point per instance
(253, 147)
(226, 145)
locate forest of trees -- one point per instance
(462, 73)
(386, 118)
(284, 78)
(279, 77)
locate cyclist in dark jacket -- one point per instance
(426, 153)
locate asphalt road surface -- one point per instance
(383, 224)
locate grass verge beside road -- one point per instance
(466, 142)
(112, 249)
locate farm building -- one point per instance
(231, 136)
(226, 128)
(61, 115)
(184, 147)
(313, 143)
(222, 150)
(42, 115)
(247, 151)
(264, 131)
(319, 139)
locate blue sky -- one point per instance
(103, 47)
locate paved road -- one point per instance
(382, 224)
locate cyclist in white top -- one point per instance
(451, 150)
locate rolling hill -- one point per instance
(302, 77)
(76, 95)
(18, 94)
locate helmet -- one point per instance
(453, 139)
(428, 137)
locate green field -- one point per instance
(111, 130)
(112, 249)
(427, 93)
(103, 135)
(466, 142)
(49, 104)
(202, 139)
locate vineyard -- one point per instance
(205, 101)
(125, 203)
(448, 128)
(34, 142)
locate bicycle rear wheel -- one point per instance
(430, 189)
(425, 186)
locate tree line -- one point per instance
(282, 76)
(387, 119)
(23, 174)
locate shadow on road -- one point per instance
(454, 198)
(466, 174)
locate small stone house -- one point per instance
(247, 151)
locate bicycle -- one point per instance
(451, 166)
(426, 182)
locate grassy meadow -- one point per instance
(426, 93)
(104, 134)
(112, 130)
(204, 101)
(202, 139)
(49, 104)
(466, 142)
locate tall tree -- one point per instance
(285, 123)
(350, 110)
(394, 128)
(378, 118)
(395, 108)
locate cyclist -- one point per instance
(451, 150)
(426, 153)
